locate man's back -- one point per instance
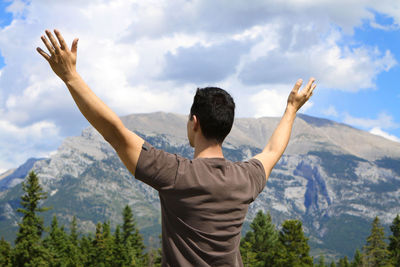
(204, 202)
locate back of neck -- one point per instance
(208, 151)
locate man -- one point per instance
(204, 200)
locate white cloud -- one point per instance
(334, 66)
(383, 121)
(380, 132)
(330, 111)
(20, 143)
(272, 102)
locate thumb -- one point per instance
(74, 46)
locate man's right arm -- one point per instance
(126, 143)
(63, 62)
(280, 137)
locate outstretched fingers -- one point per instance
(53, 41)
(310, 92)
(297, 85)
(74, 46)
(63, 44)
(309, 84)
(47, 44)
(44, 54)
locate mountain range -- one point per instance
(333, 177)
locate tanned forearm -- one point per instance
(99, 115)
(281, 135)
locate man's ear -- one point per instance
(196, 123)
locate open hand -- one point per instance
(297, 99)
(61, 59)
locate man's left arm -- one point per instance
(281, 135)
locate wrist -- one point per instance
(291, 110)
(70, 78)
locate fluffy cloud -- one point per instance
(19, 143)
(378, 131)
(383, 121)
(204, 64)
(272, 102)
(334, 66)
(330, 111)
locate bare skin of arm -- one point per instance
(280, 137)
(62, 60)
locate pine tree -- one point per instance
(56, 243)
(132, 239)
(87, 250)
(376, 252)
(295, 243)
(333, 264)
(394, 245)
(29, 250)
(261, 244)
(73, 251)
(108, 244)
(5, 253)
(321, 261)
(247, 253)
(118, 248)
(357, 260)
(154, 255)
(74, 232)
(98, 258)
(344, 262)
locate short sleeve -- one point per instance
(156, 167)
(257, 175)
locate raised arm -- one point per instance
(280, 137)
(63, 62)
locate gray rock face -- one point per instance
(14, 177)
(333, 177)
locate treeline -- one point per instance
(263, 245)
(124, 247)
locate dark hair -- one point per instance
(215, 110)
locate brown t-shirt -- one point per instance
(203, 205)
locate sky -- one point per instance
(147, 56)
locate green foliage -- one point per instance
(376, 253)
(394, 245)
(357, 260)
(5, 253)
(28, 249)
(295, 244)
(345, 233)
(260, 246)
(131, 238)
(321, 262)
(344, 262)
(59, 248)
(73, 237)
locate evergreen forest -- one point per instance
(263, 245)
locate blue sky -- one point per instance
(145, 56)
